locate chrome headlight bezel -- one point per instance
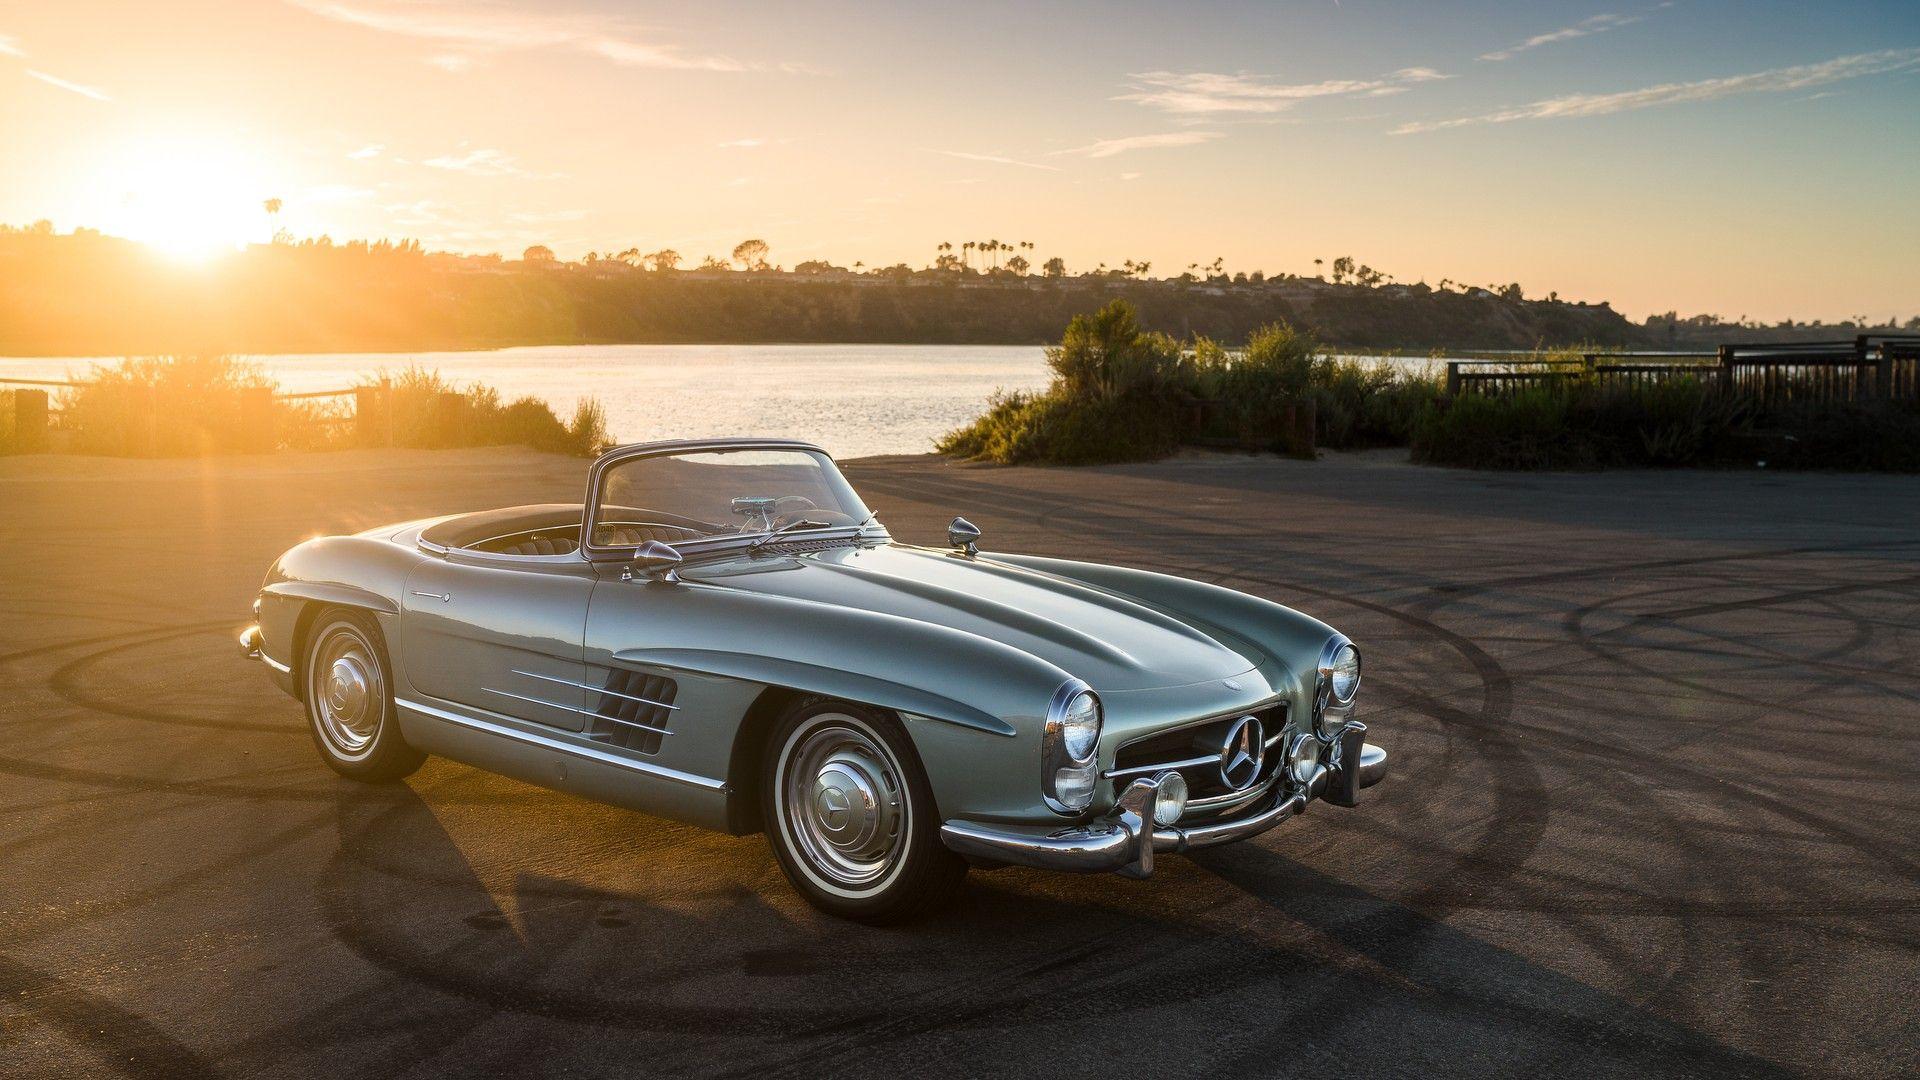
(1331, 712)
(1060, 737)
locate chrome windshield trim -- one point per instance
(597, 690)
(578, 749)
(571, 709)
(691, 549)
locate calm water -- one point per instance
(855, 400)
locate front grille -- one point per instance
(1199, 745)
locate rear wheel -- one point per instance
(349, 698)
(851, 817)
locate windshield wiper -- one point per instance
(788, 527)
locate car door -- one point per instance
(500, 633)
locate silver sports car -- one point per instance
(724, 634)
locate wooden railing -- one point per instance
(36, 422)
(1869, 368)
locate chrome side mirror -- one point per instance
(655, 561)
(964, 535)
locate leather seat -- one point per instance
(544, 545)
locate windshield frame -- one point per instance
(596, 484)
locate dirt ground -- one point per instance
(1652, 810)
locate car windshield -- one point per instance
(704, 494)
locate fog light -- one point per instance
(1073, 786)
(1303, 755)
(1171, 799)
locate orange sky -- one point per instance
(1752, 159)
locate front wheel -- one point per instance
(349, 699)
(850, 815)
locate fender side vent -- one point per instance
(629, 704)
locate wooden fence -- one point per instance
(37, 424)
(1868, 368)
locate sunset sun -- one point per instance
(189, 199)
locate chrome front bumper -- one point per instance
(253, 647)
(1126, 838)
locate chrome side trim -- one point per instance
(597, 690)
(547, 742)
(276, 665)
(570, 708)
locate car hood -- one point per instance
(1112, 642)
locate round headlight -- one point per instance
(1170, 798)
(1343, 674)
(1302, 758)
(1080, 727)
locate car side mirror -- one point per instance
(655, 561)
(964, 535)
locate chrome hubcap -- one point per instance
(844, 802)
(348, 693)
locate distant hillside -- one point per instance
(88, 294)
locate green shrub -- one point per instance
(1052, 428)
(213, 405)
(1883, 437)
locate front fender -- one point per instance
(347, 571)
(973, 706)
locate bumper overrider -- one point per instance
(1126, 838)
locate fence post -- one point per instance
(1453, 378)
(1301, 421)
(150, 423)
(366, 415)
(1726, 369)
(256, 418)
(450, 414)
(30, 420)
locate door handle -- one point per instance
(443, 597)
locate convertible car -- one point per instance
(724, 634)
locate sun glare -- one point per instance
(190, 199)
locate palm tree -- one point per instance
(965, 250)
(272, 206)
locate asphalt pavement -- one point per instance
(1654, 806)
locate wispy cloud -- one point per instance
(1199, 93)
(335, 193)
(1596, 24)
(741, 144)
(470, 33)
(995, 159)
(95, 93)
(1776, 80)
(10, 46)
(484, 161)
(367, 152)
(1106, 148)
(1130, 176)
(545, 217)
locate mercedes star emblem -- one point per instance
(1242, 753)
